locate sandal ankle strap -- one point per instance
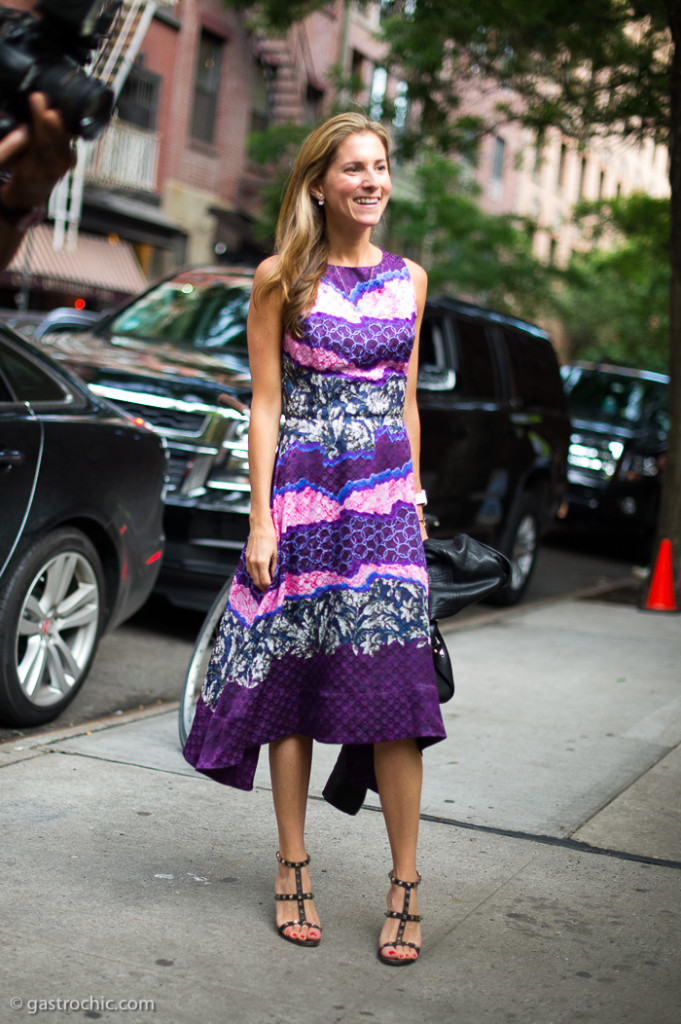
(293, 863)
(405, 885)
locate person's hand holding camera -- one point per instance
(34, 158)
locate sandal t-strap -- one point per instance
(300, 897)
(403, 917)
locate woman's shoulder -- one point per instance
(266, 268)
(418, 274)
(419, 281)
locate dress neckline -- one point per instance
(363, 266)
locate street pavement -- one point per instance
(550, 854)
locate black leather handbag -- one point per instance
(461, 571)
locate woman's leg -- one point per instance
(399, 773)
(290, 763)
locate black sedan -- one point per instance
(81, 537)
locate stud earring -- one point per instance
(321, 201)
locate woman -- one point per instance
(325, 635)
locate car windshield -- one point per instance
(199, 311)
(615, 398)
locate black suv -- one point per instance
(495, 428)
(620, 421)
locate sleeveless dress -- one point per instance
(337, 648)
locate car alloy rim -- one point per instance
(57, 628)
(524, 550)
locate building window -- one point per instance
(401, 107)
(498, 159)
(206, 87)
(582, 178)
(538, 156)
(601, 184)
(498, 154)
(562, 160)
(138, 101)
(313, 103)
(357, 72)
(260, 97)
(379, 83)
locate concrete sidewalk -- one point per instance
(550, 850)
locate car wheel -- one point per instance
(199, 661)
(520, 543)
(51, 614)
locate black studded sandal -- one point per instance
(403, 917)
(300, 896)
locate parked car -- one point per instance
(65, 318)
(494, 431)
(495, 428)
(81, 535)
(620, 422)
(24, 322)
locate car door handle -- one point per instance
(8, 457)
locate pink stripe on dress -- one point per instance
(241, 599)
(325, 360)
(313, 506)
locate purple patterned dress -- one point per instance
(338, 647)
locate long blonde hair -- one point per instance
(301, 239)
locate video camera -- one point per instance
(46, 53)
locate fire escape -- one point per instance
(289, 68)
(111, 64)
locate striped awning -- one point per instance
(97, 264)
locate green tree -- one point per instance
(614, 302)
(435, 217)
(585, 67)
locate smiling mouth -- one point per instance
(367, 200)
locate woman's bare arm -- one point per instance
(411, 412)
(264, 353)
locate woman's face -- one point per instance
(356, 185)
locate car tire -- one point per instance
(520, 543)
(51, 615)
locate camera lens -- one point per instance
(85, 103)
(95, 113)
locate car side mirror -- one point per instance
(436, 378)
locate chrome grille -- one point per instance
(177, 468)
(177, 420)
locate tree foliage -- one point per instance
(275, 149)
(614, 303)
(583, 67)
(579, 65)
(434, 217)
(279, 15)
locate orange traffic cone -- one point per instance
(661, 592)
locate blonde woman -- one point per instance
(326, 635)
